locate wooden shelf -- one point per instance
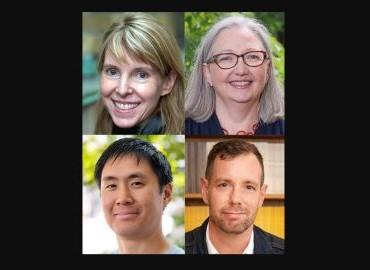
(198, 196)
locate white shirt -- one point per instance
(212, 250)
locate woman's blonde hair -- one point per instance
(200, 98)
(144, 38)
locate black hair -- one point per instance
(142, 150)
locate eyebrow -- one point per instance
(129, 177)
(136, 64)
(110, 65)
(228, 180)
(245, 51)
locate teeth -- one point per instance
(125, 106)
(240, 83)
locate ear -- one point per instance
(207, 73)
(263, 195)
(167, 194)
(169, 83)
(204, 189)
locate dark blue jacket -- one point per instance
(213, 127)
(264, 242)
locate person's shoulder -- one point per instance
(190, 235)
(189, 122)
(276, 243)
(274, 128)
(211, 126)
(175, 250)
(192, 127)
(191, 238)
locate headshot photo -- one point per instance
(133, 73)
(234, 196)
(133, 194)
(235, 73)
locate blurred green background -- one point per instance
(173, 147)
(198, 23)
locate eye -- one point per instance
(254, 56)
(137, 184)
(142, 75)
(250, 187)
(111, 186)
(112, 72)
(222, 185)
(225, 57)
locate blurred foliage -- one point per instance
(198, 23)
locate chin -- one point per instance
(241, 99)
(124, 123)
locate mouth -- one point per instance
(241, 84)
(124, 106)
(126, 215)
(233, 213)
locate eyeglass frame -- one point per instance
(213, 58)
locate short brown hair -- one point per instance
(232, 148)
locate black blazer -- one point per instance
(264, 242)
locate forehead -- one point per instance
(238, 39)
(123, 166)
(125, 58)
(244, 167)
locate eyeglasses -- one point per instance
(230, 60)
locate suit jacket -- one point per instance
(264, 242)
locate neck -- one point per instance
(237, 117)
(229, 243)
(152, 244)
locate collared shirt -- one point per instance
(212, 250)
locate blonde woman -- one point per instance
(142, 81)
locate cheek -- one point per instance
(107, 202)
(149, 93)
(152, 203)
(217, 199)
(218, 75)
(261, 76)
(107, 87)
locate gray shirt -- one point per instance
(173, 249)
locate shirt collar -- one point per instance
(212, 250)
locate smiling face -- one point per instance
(131, 200)
(241, 83)
(131, 89)
(234, 193)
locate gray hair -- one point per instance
(200, 97)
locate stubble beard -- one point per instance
(232, 227)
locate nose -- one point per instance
(241, 67)
(235, 196)
(123, 87)
(124, 196)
